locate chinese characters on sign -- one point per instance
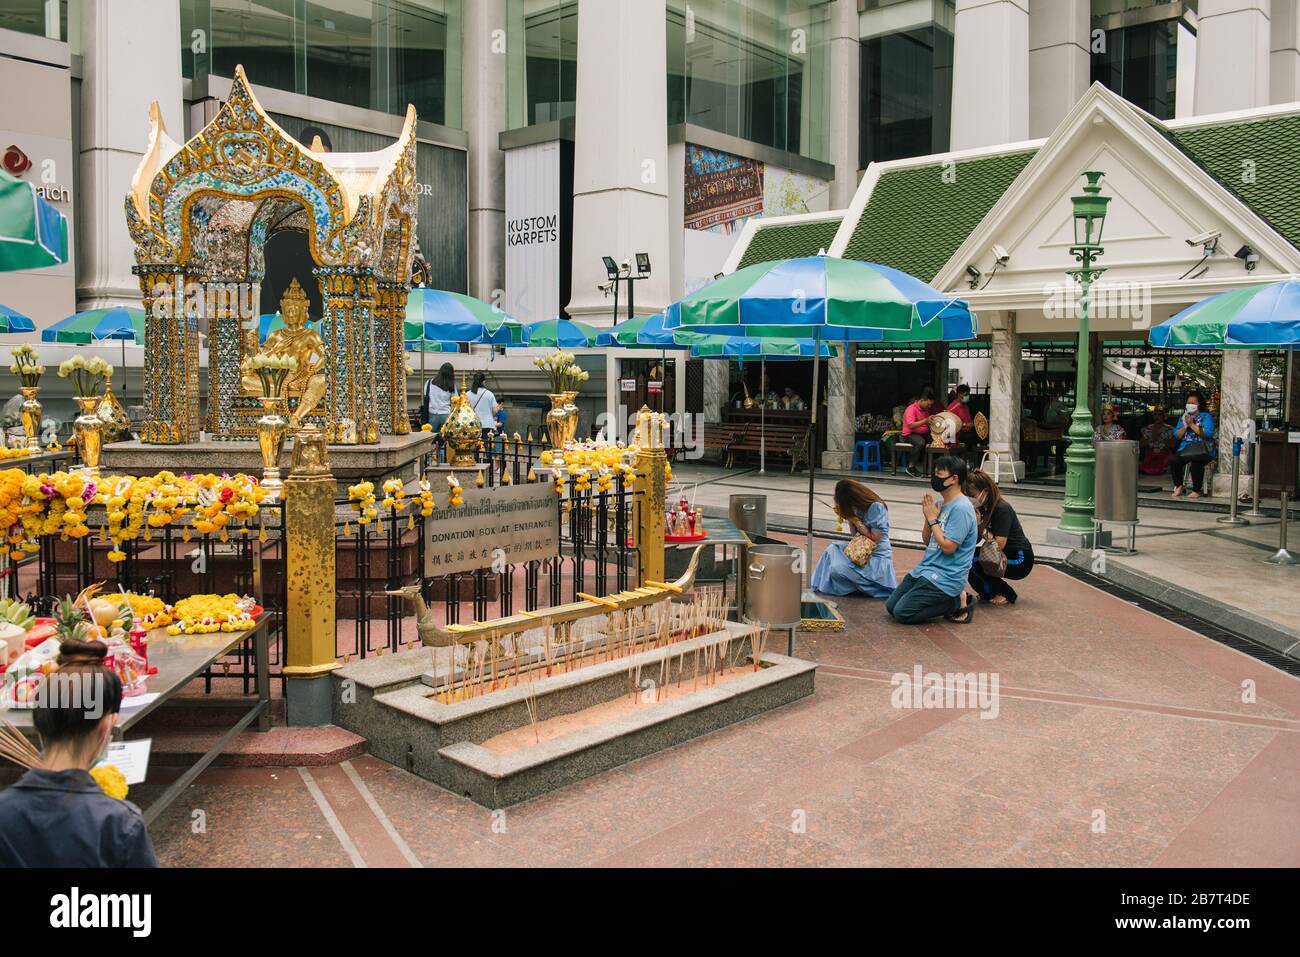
(515, 523)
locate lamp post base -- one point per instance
(1092, 538)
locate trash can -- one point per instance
(773, 585)
(1116, 482)
(749, 513)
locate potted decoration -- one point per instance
(272, 369)
(27, 366)
(565, 376)
(88, 375)
(463, 432)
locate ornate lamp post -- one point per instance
(1080, 459)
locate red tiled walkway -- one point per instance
(1119, 739)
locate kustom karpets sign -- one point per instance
(494, 527)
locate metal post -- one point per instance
(762, 416)
(1254, 495)
(1282, 556)
(1231, 518)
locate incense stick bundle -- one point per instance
(15, 747)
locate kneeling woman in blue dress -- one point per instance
(866, 514)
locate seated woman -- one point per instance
(55, 815)
(1157, 443)
(998, 521)
(1194, 436)
(959, 405)
(1110, 430)
(866, 514)
(916, 429)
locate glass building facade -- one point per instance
(375, 54)
(52, 19)
(753, 69)
(542, 61)
(905, 97)
(1135, 50)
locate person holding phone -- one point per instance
(1194, 445)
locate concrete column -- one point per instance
(990, 83)
(620, 168)
(1232, 55)
(1058, 61)
(1284, 53)
(131, 55)
(1237, 384)
(717, 377)
(841, 409)
(1004, 385)
(845, 79)
(484, 98)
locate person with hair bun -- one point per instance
(55, 815)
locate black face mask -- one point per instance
(937, 483)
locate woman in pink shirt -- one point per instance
(916, 429)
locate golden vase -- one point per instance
(31, 416)
(562, 420)
(462, 432)
(90, 433)
(271, 428)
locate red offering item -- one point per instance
(257, 611)
(686, 538)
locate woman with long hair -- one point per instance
(866, 514)
(997, 521)
(484, 403)
(55, 815)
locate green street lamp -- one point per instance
(1080, 458)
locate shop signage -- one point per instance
(533, 232)
(493, 528)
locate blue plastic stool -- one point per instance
(866, 456)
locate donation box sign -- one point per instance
(493, 528)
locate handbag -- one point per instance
(993, 560)
(1196, 451)
(859, 550)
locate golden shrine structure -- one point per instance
(200, 215)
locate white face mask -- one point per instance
(979, 499)
(963, 399)
(1192, 408)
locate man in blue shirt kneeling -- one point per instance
(936, 586)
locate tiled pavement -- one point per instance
(1120, 739)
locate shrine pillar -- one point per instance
(226, 351)
(350, 413)
(390, 357)
(171, 357)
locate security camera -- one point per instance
(1208, 238)
(606, 287)
(1248, 257)
(1000, 254)
(974, 275)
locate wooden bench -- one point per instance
(719, 437)
(932, 452)
(789, 440)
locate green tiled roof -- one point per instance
(790, 242)
(917, 217)
(1258, 160)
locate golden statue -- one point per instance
(307, 381)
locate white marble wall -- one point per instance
(1284, 52)
(484, 100)
(845, 59)
(1004, 390)
(990, 83)
(716, 378)
(131, 55)
(1058, 61)
(1232, 55)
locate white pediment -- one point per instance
(1159, 199)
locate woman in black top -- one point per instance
(55, 815)
(997, 520)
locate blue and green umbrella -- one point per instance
(94, 325)
(440, 316)
(1266, 316)
(33, 234)
(11, 320)
(561, 334)
(643, 332)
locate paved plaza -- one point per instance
(1117, 738)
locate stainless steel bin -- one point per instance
(773, 585)
(748, 513)
(1116, 482)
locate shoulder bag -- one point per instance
(993, 560)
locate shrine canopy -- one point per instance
(211, 204)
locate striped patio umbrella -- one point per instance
(1266, 316)
(561, 334)
(643, 332)
(94, 325)
(11, 320)
(752, 347)
(33, 234)
(452, 317)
